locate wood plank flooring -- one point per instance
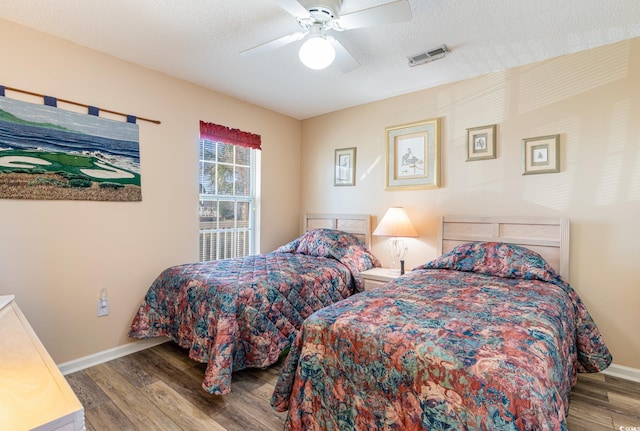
(159, 389)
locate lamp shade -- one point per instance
(395, 223)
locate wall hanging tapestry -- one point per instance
(51, 153)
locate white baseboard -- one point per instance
(108, 355)
(623, 372)
(614, 370)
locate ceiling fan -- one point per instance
(318, 17)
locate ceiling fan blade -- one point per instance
(274, 44)
(396, 11)
(344, 60)
(294, 8)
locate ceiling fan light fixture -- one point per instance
(317, 52)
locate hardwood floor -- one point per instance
(159, 389)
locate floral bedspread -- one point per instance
(244, 312)
(486, 337)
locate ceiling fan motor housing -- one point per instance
(323, 10)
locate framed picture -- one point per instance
(481, 143)
(345, 167)
(413, 155)
(541, 155)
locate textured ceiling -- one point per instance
(200, 40)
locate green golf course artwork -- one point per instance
(54, 154)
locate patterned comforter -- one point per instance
(486, 337)
(244, 312)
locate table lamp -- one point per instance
(395, 224)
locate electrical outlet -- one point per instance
(103, 307)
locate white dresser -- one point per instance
(34, 395)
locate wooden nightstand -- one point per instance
(376, 277)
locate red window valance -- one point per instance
(215, 132)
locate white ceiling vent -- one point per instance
(426, 57)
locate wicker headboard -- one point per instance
(357, 224)
(548, 237)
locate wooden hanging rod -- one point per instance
(31, 93)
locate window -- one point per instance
(228, 198)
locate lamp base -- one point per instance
(397, 250)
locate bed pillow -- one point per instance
(495, 258)
(336, 244)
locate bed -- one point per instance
(487, 336)
(244, 313)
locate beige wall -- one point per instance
(592, 99)
(56, 256)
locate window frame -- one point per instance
(214, 241)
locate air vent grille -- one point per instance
(426, 57)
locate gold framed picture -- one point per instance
(541, 155)
(345, 167)
(413, 155)
(481, 143)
